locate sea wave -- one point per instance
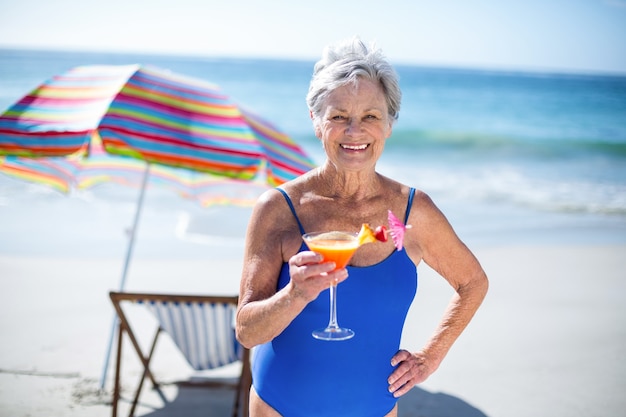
(433, 140)
(513, 185)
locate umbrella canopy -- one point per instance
(57, 173)
(65, 174)
(153, 115)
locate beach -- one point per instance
(546, 342)
(529, 168)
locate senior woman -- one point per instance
(354, 99)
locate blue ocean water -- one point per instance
(510, 157)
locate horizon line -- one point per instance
(533, 70)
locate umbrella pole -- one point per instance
(133, 231)
(129, 252)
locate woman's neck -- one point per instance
(349, 185)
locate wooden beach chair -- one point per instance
(202, 327)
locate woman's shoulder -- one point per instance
(273, 224)
(421, 204)
(291, 192)
(403, 191)
(292, 189)
(270, 200)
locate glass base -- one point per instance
(333, 334)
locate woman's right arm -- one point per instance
(263, 313)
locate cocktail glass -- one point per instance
(337, 247)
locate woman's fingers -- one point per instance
(311, 275)
(411, 369)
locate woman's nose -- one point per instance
(354, 127)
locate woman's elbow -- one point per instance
(476, 288)
(480, 285)
(243, 333)
(244, 338)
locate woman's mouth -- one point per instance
(354, 147)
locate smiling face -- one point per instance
(353, 125)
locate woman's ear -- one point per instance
(390, 122)
(390, 131)
(316, 126)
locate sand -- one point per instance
(548, 340)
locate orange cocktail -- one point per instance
(337, 247)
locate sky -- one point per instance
(552, 35)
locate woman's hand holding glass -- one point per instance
(310, 275)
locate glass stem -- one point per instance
(332, 323)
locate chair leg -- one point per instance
(243, 387)
(116, 386)
(145, 360)
(247, 384)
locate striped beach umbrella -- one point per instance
(153, 115)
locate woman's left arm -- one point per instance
(435, 242)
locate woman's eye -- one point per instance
(338, 118)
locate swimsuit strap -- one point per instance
(409, 204)
(292, 208)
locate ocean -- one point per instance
(511, 158)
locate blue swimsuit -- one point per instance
(300, 376)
